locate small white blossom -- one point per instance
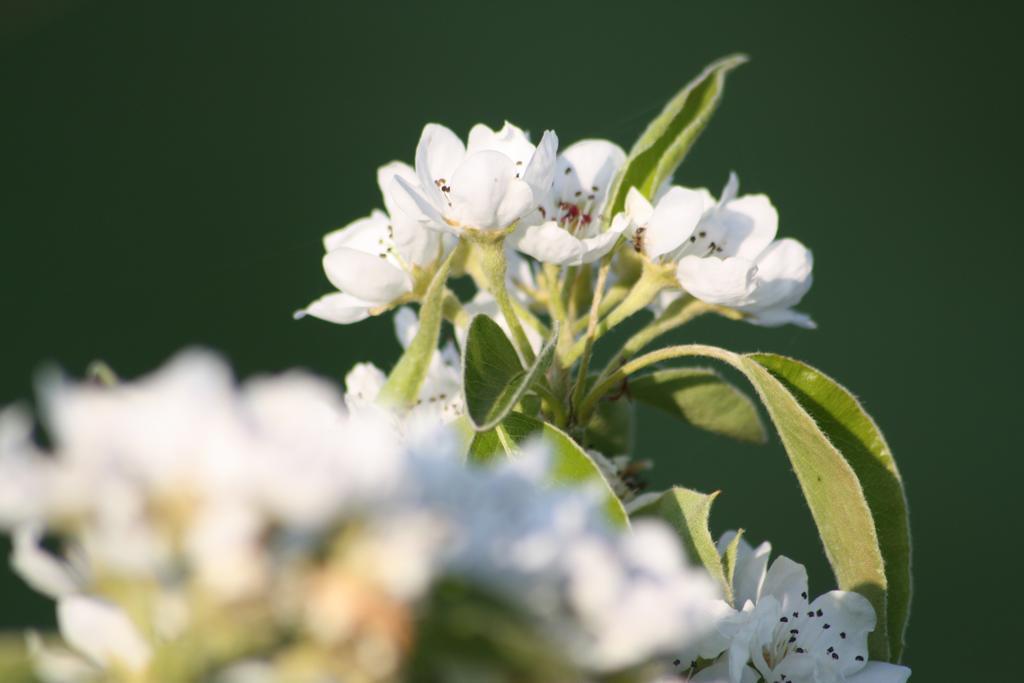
(733, 259)
(780, 634)
(566, 230)
(372, 261)
(489, 184)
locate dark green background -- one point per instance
(168, 170)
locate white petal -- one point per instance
(638, 208)
(751, 568)
(596, 247)
(415, 202)
(363, 234)
(784, 275)
(366, 276)
(363, 383)
(337, 307)
(407, 324)
(719, 673)
(717, 281)
(540, 172)
(42, 571)
(849, 617)
(673, 221)
(786, 580)
(587, 167)
(548, 243)
(511, 141)
(880, 672)
(438, 154)
(750, 224)
(415, 243)
(731, 189)
(101, 632)
(778, 317)
(485, 193)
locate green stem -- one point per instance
(588, 340)
(678, 313)
(602, 387)
(652, 280)
(492, 258)
(452, 310)
(615, 295)
(553, 403)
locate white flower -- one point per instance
(44, 572)
(488, 185)
(661, 230)
(373, 260)
(565, 230)
(440, 396)
(102, 632)
(733, 259)
(785, 637)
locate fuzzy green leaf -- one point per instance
(493, 377)
(701, 397)
(729, 562)
(660, 149)
(570, 465)
(832, 491)
(852, 431)
(406, 378)
(688, 512)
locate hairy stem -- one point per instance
(588, 340)
(492, 261)
(602, 387)
(652, 280)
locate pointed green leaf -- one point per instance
(729, 562)
(493, 377)
(688, 512)
(852, 431)
(570, 465)
(662, 146)
(406, 378)
(701, 397)
(832, 491)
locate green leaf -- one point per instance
(856, 436)
(493, 377)
(701, 397)
(406, 378)
(832, 491)
(729, 561)
(570, 464)
(688, 512)
(659, 151)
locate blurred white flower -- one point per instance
(200, 499)
(102, 632)
(565, 230)
(489, 184)
(373, 260)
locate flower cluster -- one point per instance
(554, 208)
(474, 512)
(209, 530)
